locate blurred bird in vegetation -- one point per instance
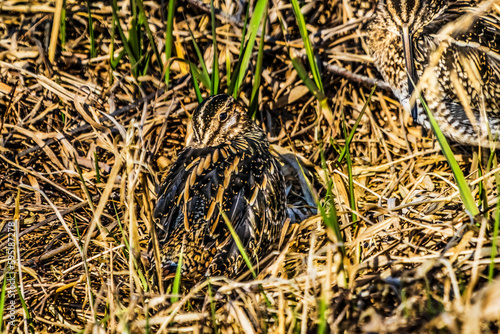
(454, 51)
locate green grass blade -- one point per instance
(2, 296)
(304, 76)
(463, 187)
(133, 8)
(115, 61)
(230, 84)
(228, 68)
(169, 37)
(491, 269)
(482, 191)
(144, 61)
(237, 240)
(93, 51)
(331, 218)
(194, 70)
(120, 226)
(25, 308)
(134, 35)
(134, 38)
(352, 198)
(215, 64)
(97, 170)
(212, 308)
(494, 239)
(313, 88)
(307, 44)
(62, 30)
(143, 20)
(204, 73)
(126, 45)
(112, 61)
(254, 98)
(177, 279)
(77, 231)
(244, 31)
(242, 66)
(322, 310)
(351, 134)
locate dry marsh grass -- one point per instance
(84, 143)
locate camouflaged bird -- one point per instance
(228, 168)
(463, 81)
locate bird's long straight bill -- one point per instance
(410, 67)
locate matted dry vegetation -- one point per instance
(413, 260)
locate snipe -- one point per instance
(227, 168)
(462, 83)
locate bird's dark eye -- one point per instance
(223, 116)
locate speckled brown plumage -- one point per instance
(465, 82)
(226, 167)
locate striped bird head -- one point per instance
(219, 119)
(410, 14)
(404, 18)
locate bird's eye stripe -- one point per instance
(231, 124)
